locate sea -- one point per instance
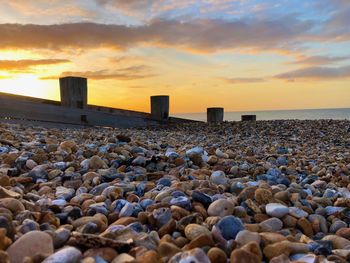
(309, 114)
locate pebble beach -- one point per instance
(235, 192)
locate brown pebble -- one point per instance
(217, 255)
(166, 249)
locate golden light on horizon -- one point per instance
(28, 85)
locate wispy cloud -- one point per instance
(316, 73)
(25, 64)
(129, 73)
(319, 60)
(244, 80)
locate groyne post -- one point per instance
(248, 118)
(160, 107)
(73, 92)
(215, 115)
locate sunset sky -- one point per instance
(238, 54)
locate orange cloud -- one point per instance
(202, 35)
(244, 80)
(24, 64)
(129, 73)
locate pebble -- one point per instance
(179, 193)
(246, 236)
(271, 225)
(217, 255)
(230, 226)
(193, 230)
(221, 207)
(218, 177)
(65, 255)
(297, 212)
(276, 210)
(31, 244)
(195, 255)
(123, 258)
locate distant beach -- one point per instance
(308, 114)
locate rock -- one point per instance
(305, 226)
(245, 236)
(221, 207)
(217, 255)
(65, 255)
(97, 163)
(168, 228)
(297, 212)
(230, 226)
(4, 180)
(268, 238)
(218, 177)
(106, 253)
(5, 242)
(12, 204)
(193, 230)
(139, 160)
(271, 225)
(200, 241)
(5, 222)
(212, 160)
(344, 232)
(31, 244)
(337, 225)
(284, 247)
(149, 256)
(276, 210)
(30, 164)
(68, 146)
(201, 198)
(60, 237)
(289, 221)
(319, 223)
(127, 210)
(123, 138)
(167, 249)
(249, 253)
(337, 241)
(263, 196)
(4, 193)
(195, 255)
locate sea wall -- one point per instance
(14, 107)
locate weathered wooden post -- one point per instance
(73, 92)
(160, 107)
(215, 115)
(248, 117)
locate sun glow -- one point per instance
(28, 85)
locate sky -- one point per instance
(238, 54)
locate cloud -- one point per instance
(319, 60)
(199, 35)
(24, 64)
(129, 73)
(244, 80)
(316, 73)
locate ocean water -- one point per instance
(311, 114)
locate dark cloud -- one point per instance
(319, 60)
(198, 35)
(244, 80)
(129, 73)
(316, 73)
(24, 64)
